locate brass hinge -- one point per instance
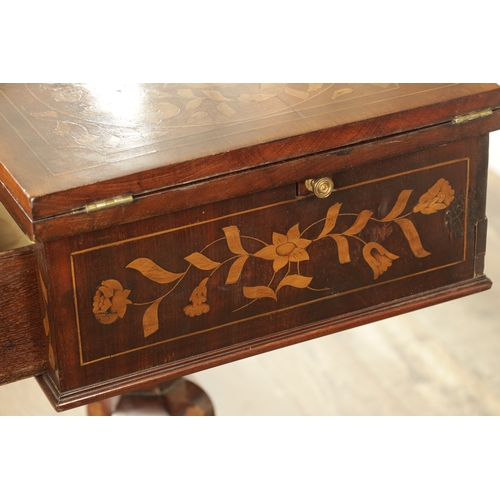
(109, 203)
(472, 116)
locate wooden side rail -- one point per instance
(22, 339)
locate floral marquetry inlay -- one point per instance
(108, 118)
(284, 253)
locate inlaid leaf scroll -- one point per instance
(201, 261)
(188, 93)
(225, 109)
(236, 268)
(341, 92)
(193, 104)
(330, 220)
(294, 280)
(285, 253)
(361, 221)
(233, 240)
(215, 95)
(400, 205)
(413, 238)
(150, 321)
(153, 271)
(259, 292)
(342, 247)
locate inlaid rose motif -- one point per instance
(285, 248)
(110, 302)
(438, 197)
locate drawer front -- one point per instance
(196, 288)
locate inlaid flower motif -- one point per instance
(438, 197)
(198, 300)
(110, 302)
(378, 258)
(285, 248)
(196, 310)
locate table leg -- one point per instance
(178, 397)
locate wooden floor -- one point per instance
(443, 360)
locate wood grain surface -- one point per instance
(439, 361)
(114, 294)
(62, 146)
(157, 202)
(426, 169)
(22, 340)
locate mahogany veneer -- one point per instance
(174, 227)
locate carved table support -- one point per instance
(178, 397)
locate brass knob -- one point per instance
(322, 188)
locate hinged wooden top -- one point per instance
(64, 146)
